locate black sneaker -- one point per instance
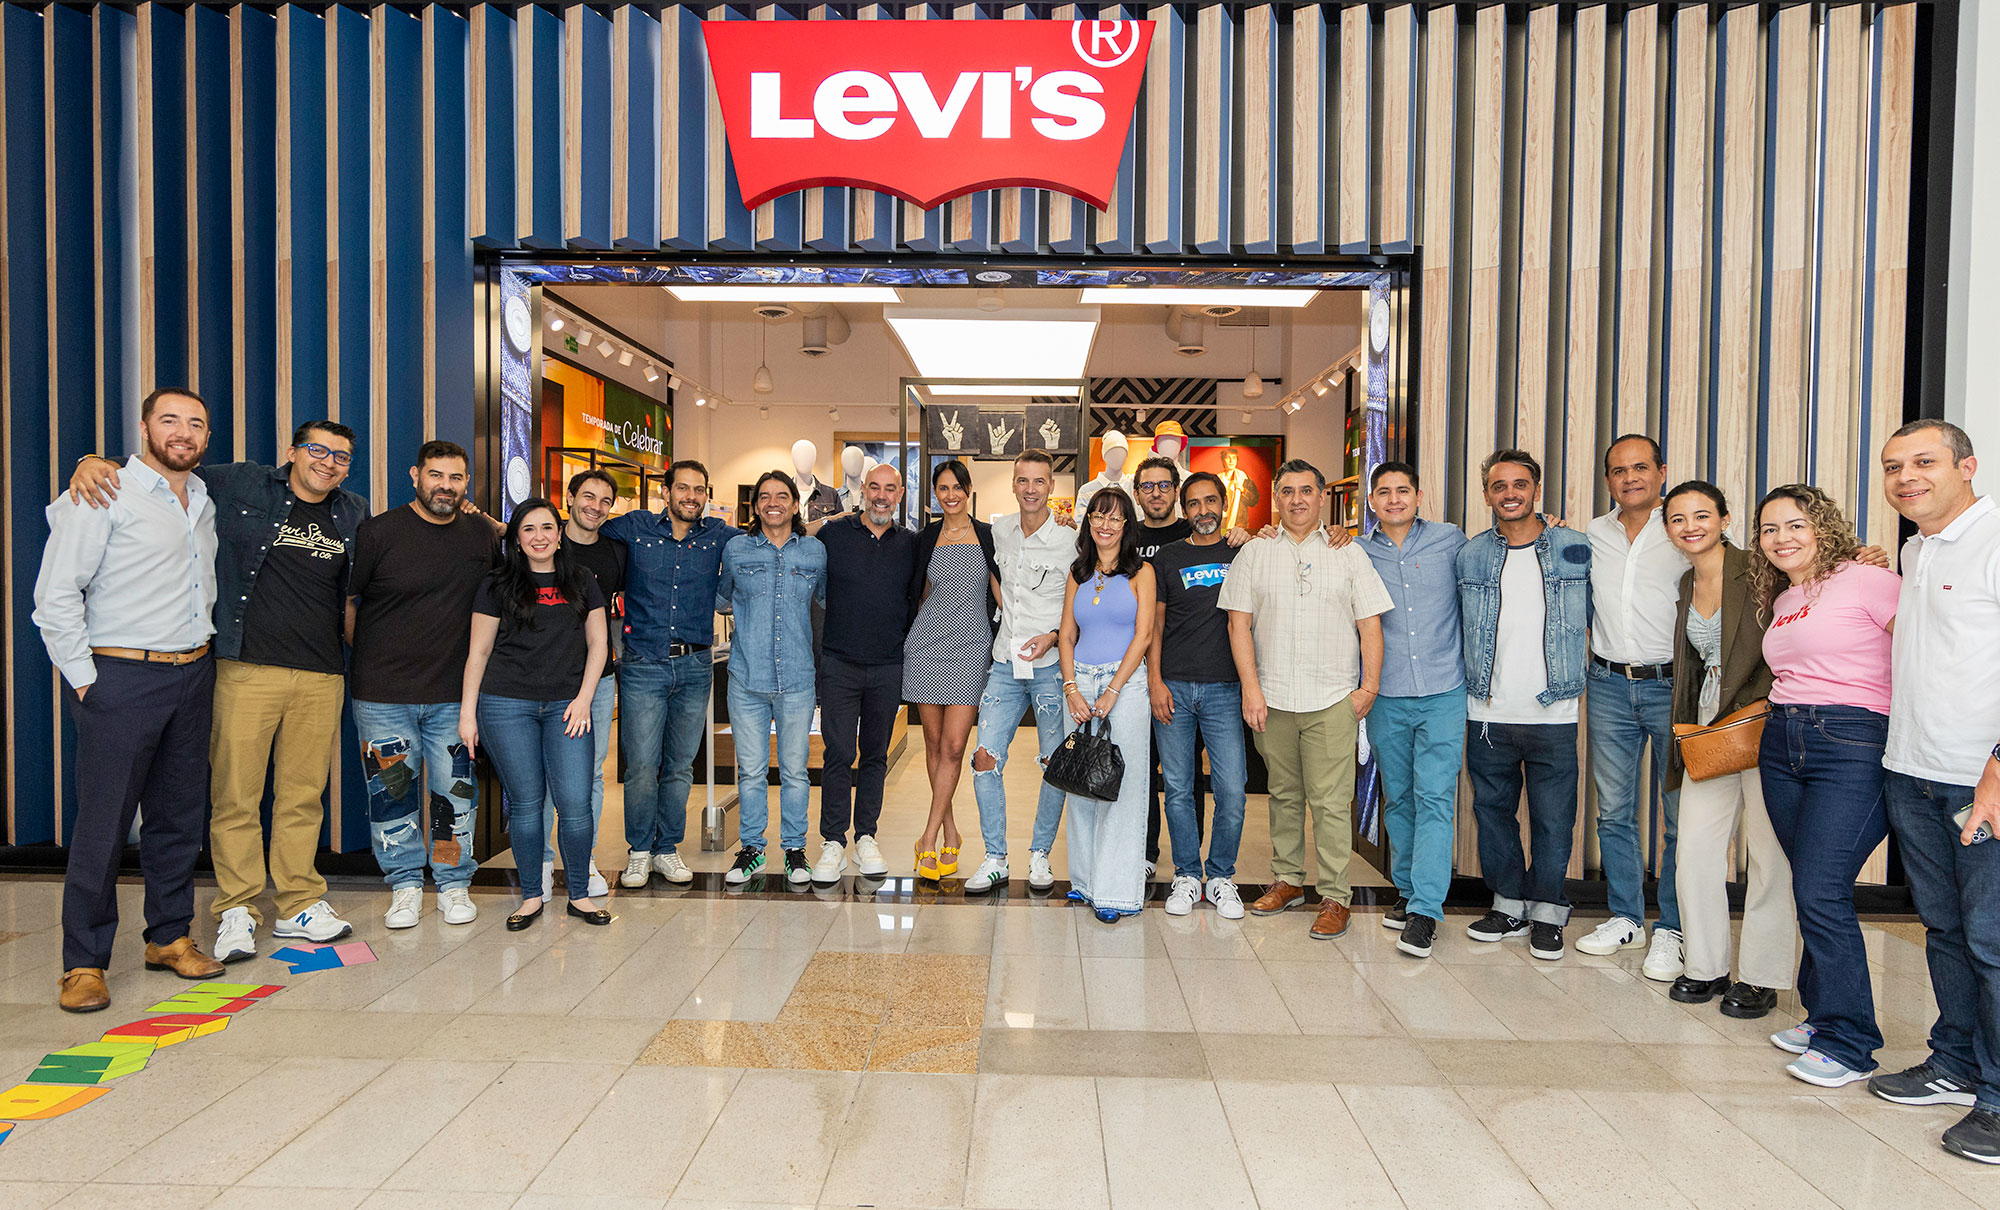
(1924, 1084)
(1976, 1137)
(1697, 991)
(1417, 936)
(1747, 1002)
(748, 864)
(1495, 925)
(1398, 916)
(797, 868)
(1545, 940)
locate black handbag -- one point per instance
(1087, 763)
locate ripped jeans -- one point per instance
(395, 738)
(1000, 708)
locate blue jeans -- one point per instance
(602, 705)
(751, 715)
(1210, 714)
(1822, 772)
(1107, 840)
(1957, 889)
(1499, 759)
(394, 739)
(1420, 742)
(536, 762)
(666, 711)
(1000, 710)
(1625, 716)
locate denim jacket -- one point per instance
(251, 502)
(1565, 558)
(772, 589)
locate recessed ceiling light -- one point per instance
(1194, 296)
(1006, 388)
(786, 293)
(1017, 343)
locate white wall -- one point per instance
(1972, 371)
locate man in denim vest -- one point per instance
(1524, 602)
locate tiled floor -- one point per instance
(770, 1052)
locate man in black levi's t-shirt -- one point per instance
(1154, 485)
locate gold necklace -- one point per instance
(1098, 589)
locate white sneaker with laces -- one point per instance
(1150, 867)
(404, 904)
(316, 923)
(868, 857)
(1041, 875)
(456, 904)
(598, 888)
(669, 866)
(1222, 893)
(1665, 960)
(991, 873)
(832, 863)
(636, 869)
(1185, 894)
(1613, 935)
(235, 936)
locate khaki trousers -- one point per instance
(1767, 954)
(262, 711)
(1311, 762)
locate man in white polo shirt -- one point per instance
(1943, 758)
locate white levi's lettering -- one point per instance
(1074, 116)
(766, 118)
(832, 104)
(934, 121)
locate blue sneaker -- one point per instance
(1815, 1068)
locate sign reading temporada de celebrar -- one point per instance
(927, 110)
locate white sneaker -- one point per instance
(1228, 904)
(636, 869)
(669, 866)
(832, 863)
(1185, 894)
(1665, 961)
(991, 873)
(1796, 1040)
(549, 879)
(868, 857)
(1815, 1068)
(1149, 868)
(597, 887)
(456, 904)
(1613, 935)
(1041, 875)
(316, 923)
(404, 904)
(235, 936)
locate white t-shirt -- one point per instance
(1944, 714)
(1635, 587)
(1520, 659)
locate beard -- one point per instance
(176, 459)
(881, 516)
(1206, 524)
(443, 502)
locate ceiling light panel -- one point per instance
(1008, 390)
(1016, 344)
(1177, 296)
(786, 293)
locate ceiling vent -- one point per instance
(1241, 317)
(774, 310)
(1218, 310)
(1184, 329)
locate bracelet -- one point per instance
(1112, 690)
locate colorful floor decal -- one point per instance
(92, 1063)
(34, 1102)
(304, 958)
(166, 1031)
(216, 998)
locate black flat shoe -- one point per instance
(521, 920)
(1697, 991)
(1747, 1001)
(600, 916)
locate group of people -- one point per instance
(203, 618)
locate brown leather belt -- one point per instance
(151, 657)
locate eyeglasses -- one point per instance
(1104, 521)
(1305, 578)
(1155, 489)
(320, 453)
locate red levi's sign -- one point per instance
(927, 110)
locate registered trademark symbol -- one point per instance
(1104, 43)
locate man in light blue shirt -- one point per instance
(771, 577)
(1417, 729)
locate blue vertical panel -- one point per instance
(1232, 34)
(1118, 228)
(881, 235)
(788, 218)
(451, 251)
(73, 337)
(1080, 215)
(592, 222)
(305, 131)
(402, 325)
(542, 225)
(213, 235)
(259, 224)
(496, 135)
(691, 118)
(985, 207)
(26, 364)
(347, 188)
(836, 218)
(171, 179)
(1171, 27)
(116, 264)
(641, 134)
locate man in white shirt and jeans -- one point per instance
(1943, 760)
(1034, 552)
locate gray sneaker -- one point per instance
(1816, 1068)
(1796, 1040)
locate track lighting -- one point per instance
(1319, 386)
(652, 375)
(673, 382)
(604, 349)
(583, 338)
(833, 413)
(701, 401)
(555, 322)
(1253, 385)
(625, 358)
(1246, 415)
(763, 412)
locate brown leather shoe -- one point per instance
(184, 958)
(1331, 921)
(83, 990)
(1281, 896)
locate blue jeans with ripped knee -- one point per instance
(395, 740)
(1000, 709)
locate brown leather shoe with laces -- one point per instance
(83, 990)
(184, 958)
(1331, 921)
(1281, 896)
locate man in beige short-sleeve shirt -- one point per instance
(1305, 630)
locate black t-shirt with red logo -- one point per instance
(542, 661)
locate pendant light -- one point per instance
(761, 382)
(1253, 383)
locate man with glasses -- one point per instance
(1156, 483)
(285, 541)
(1306, 634)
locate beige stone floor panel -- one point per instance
(906, 1140)
(1846, 1162)
(1702, 1154)
(370, 1143)
(745, 985)
(940, 990)
(1032, 991)
(640, 1136)
(1055, 1119)
(1226, 996)
(776, 1135)
(1087, 1052)
(761, 1045)
(1429, 1001)
(1134, 993)
(1331, 997)
(1168, 1137)
(291, 1197)
(485, 1149)
(1603, 1171)
(938, 1049)
(1337, 1171)
(1330, 1060)
(1531, 1006)
(84, 1143)
(1408, 1127)
(1913, 1130)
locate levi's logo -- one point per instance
(927, 110)
(1204, 575)
(550, 595)
(1789, 618)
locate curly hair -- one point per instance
(1831, 531)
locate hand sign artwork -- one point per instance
(954, 432)
(1051, 434)
(998, 435)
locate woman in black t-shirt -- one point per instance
(538, 648)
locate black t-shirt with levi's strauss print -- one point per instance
(542, 661)
(295, 612)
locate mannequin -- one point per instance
(816, 499)
(853, 469)
(1116, 453)
(1170, 442)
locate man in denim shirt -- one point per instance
(1524, 604)
(1418, 726)
(672, 564)
(772, 578)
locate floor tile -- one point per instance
(883, 929)
(801, 1045)
(1141, 936)
(140, 1197)
(486, 1149)
(34, 1195)
(291, 1197)
(1086, 1052)
(1574, 1159)
(949, 929)
(1034, 991)
(1403, 1127)
(1228, 996)
(1301, 1147)
(1328, 997)
(1134, 993)
(1330, 1060)
(940, 990)
(1429, 1001)
(1634, 1011)
(370, 1135)
(1844, 1161)
(543, 1039)
(1170, 1137)
(1758, 1069)
(1036, 930)
(1055, 1120)
(1531, 1006)
(789, 1122)
(787, 926)
(905, 1141)
(1207, 935)
(649, 984)
(80, 1145)
(1548, 1064)
(745, 985)
(948, 1049)
(566, 1201)
(641, 1135)
(1706, 1157)
(842, 989)
(1914, 1132)
(345, 1035)
(425, 1199)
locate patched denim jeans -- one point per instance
(1000, 710)
(395, 740)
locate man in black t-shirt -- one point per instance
(409, 616)
(1155, 483)
(1197, 699)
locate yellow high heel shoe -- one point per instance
(947, 861)
(927, 867)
